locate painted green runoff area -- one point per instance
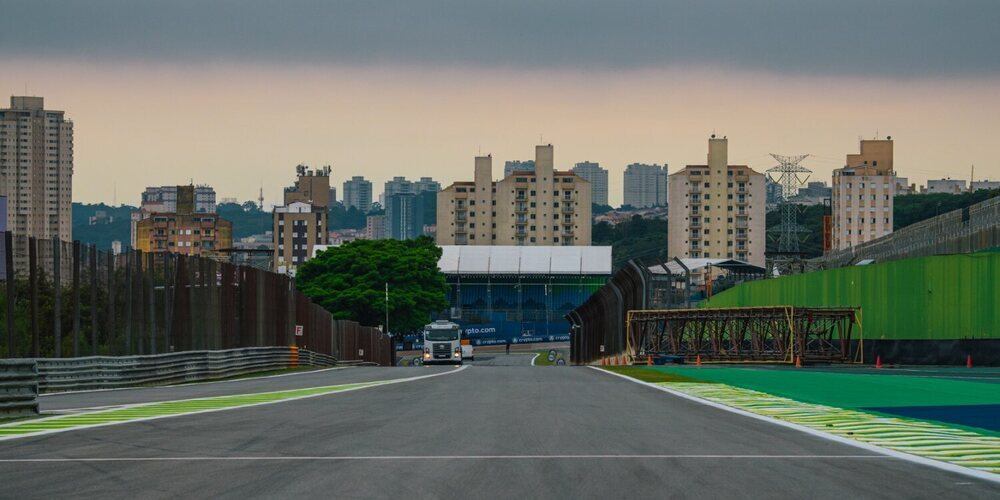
(946, 297)
(846, 390)
(164, 409)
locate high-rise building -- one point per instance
(375, 227)
(426, 184)
(182, 230)
(333, 195)
(358, 194)
(717, 210)
(164, 199)
(541, 207)
(36, 169)
(405, 214)
(863, 192)
(398, 185)
(301, 223)
(509, 167)
(598, 179)
(645, 185)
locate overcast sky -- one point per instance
(609, 61)
(862, 37)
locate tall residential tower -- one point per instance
(36, 169)
(542, 207)
(301, 223)
(862, 196)
(645, 185)
(717, 210)
(598, 179)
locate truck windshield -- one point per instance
(441, 335)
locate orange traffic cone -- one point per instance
(878, 361)
(649, 361)
(968, 361)
(798, 361)
(697, 360)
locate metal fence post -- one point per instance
(129, 261)
(33, 293)
(92, 250)
(152, 302)
(56, 297)
(111, 296)
(76, 299)
(8, 251)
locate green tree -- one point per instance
(349, 281)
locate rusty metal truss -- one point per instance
(780, 334)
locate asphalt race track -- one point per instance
(479, 432)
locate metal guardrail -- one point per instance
(102, 372)
(965, 230)
(18, 388)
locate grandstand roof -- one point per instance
(695, 265)
(460, 259)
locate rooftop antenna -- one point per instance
(260, 199)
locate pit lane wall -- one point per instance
(928, 310)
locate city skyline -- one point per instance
(363, 96)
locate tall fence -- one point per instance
(970, 229)
(67, 299)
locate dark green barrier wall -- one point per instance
(929, 298)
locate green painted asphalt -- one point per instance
(163, 409)
(845, 390)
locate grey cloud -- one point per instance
(870, 37)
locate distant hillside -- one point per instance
(101, 234)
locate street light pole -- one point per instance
(387, 307)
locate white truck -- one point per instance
(442, 343)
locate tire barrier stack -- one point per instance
(18, 388)
(103, 372)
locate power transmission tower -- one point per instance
(790, 175)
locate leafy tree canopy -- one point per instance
(349, 281)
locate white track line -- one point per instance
(374, 383)
(207, 382)
(958, 469)
(533, 358)
(446, 457)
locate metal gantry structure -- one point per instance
(746, 334)
(790, 175)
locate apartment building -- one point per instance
(301, 223)
(862, 198)
(645, 185)
(164, 199)
(949, 186)
(717, 210)
(184, 230)
(375, 227)
(598, 179)
(358, 194)
(425, 185)
(542, 207)
(36, 169)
